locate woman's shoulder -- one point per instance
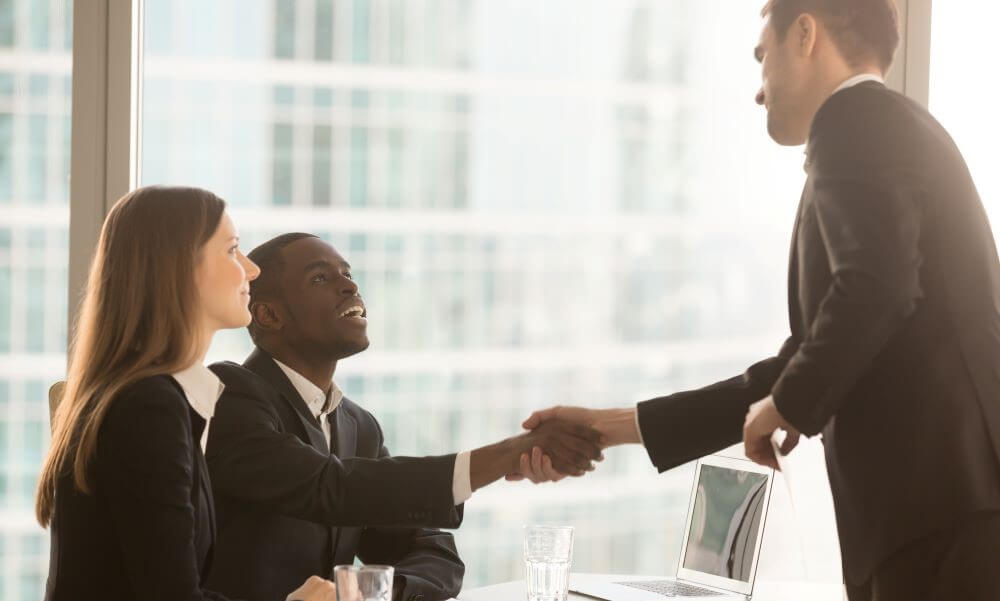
(150, 395)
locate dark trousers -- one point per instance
(962, 563)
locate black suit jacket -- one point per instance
(290, 508)
(894, 353)
(147, 529)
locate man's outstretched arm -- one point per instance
(676, 428)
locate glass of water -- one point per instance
(548, 552)
(365, 583)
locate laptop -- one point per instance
(722, 537)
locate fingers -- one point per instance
(566, 457)
(790, 442)
(527, 470)
(586, 450)
(314, 589)
(536, 418)
(550, 473)
(588, 434)
(759, 450)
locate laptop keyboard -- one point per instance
(672, 588)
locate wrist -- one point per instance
(492, 462)
(618, 426)
(776, 417)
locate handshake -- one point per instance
(560, 442)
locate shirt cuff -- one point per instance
(461, 483)
(637, 428)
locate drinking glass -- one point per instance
(548, 552)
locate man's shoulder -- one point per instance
(866, 123)
(234, 375)
(243, 385)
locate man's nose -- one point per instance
(760, 97)
(350, 287)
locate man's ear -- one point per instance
(805, 31)
(266, 316)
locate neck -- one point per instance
(204, 341)
(833, 79)
(318, 371)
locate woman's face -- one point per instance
(223, 279)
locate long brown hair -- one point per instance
(138, 318)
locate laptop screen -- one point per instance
(728, 506)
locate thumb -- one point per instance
(538, 417)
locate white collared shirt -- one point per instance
(202, 388)
(321, 405)
(853, 81)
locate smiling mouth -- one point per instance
(353, 312)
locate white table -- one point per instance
(763, 591)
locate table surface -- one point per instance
(763, 591)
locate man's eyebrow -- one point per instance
(324, 263)
(317, 263)
(758, 53)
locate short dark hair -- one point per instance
(862, 29)
(268, 257)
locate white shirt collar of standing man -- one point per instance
(853, 81)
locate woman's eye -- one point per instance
(319, 278)
(349, 276)
(233, 250)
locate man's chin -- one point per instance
(783, 135)
(348, 348)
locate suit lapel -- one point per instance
(345, 428)
(264, 366)
(347, 434)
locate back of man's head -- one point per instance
(865, 31)
(267, 286)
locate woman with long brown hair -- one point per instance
(124, 487)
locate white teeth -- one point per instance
(353, 312)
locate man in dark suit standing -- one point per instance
(894, 307)
(301, 475)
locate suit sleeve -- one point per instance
(426, 562)
(870, 229)
(684, 426)
(253, 460)
(147, 475)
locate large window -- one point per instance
(544, 202)
(965, 102)
(35, 87)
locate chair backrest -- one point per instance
(55, 396)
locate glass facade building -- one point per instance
(568, 201)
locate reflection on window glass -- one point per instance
(36, 39)
(543, 203)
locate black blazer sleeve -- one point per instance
(427, 565)
(687, 425)
(869, 220)
(253, 458)
(146, 474)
